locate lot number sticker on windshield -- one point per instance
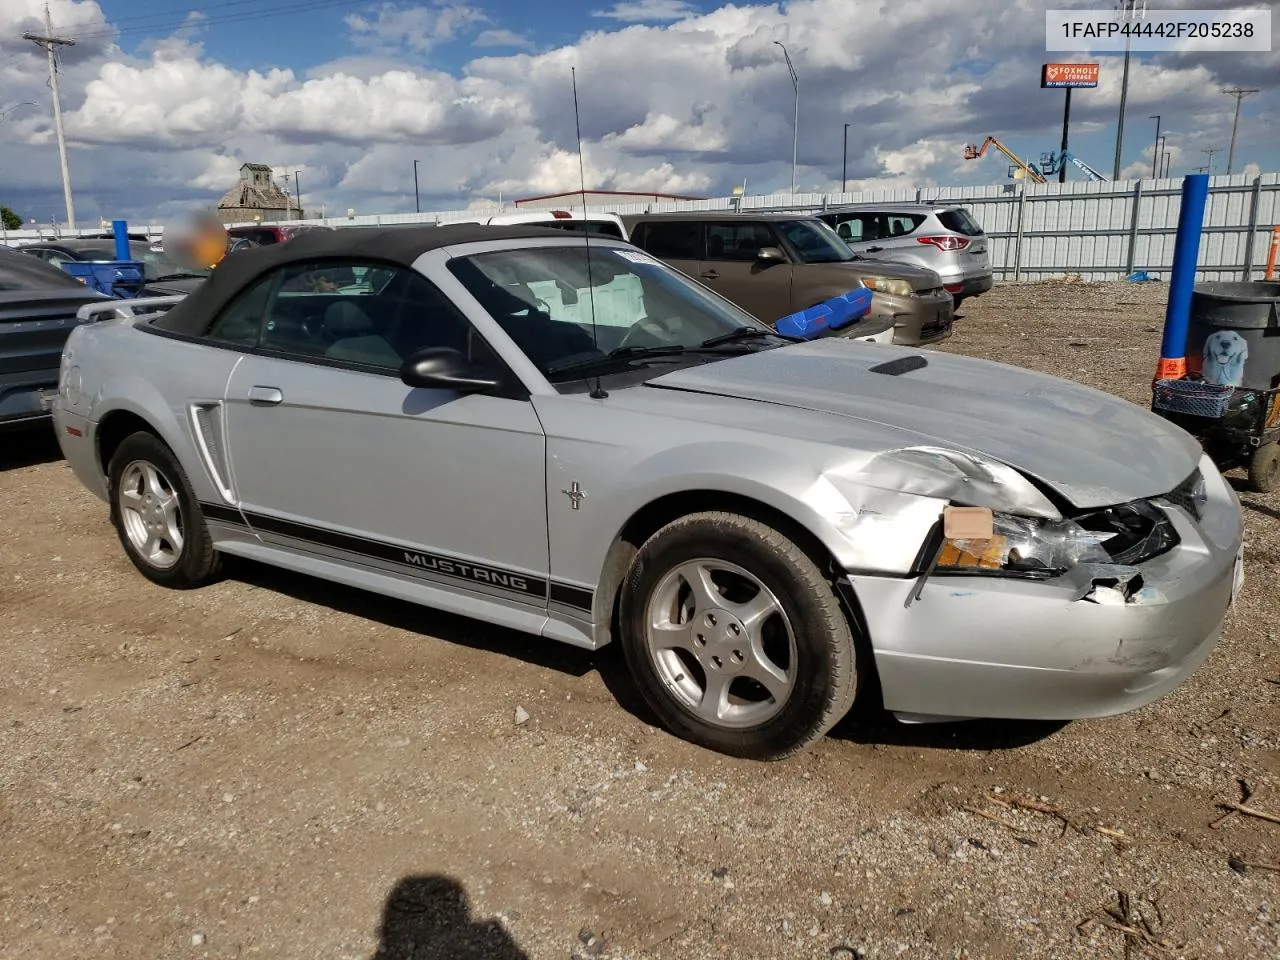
(636, 257)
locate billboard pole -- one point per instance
(1066, 122)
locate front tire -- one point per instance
(735, 638)
(1264, 468)
(157, 516)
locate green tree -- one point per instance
(11, 220)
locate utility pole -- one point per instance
(1239, 93)
(417, 204)
(1127, 11)
(795, 126)
(297, 185)
(1211, 151)
(288, 197)
(1155, 149)
(50, 43)
(844, 164)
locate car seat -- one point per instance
(356, 340)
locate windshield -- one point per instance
(156, 264)
(815, 241)
(644, 312)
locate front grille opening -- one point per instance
(1131, 533)
(1188, 494)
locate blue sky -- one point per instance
(164, 100)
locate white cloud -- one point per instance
(641, 11)
(692, 104)
(416, 28)
(501, 38)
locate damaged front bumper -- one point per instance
(1097, 641)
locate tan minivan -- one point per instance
(773, 264)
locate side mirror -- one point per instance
(443, 368)
(770, 255)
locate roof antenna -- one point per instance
(597, 392)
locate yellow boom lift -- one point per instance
(1020, 169)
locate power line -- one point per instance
(51, 42)
(1239, 93)
(166, 21)
(183, 12)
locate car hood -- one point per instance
(1091, 448)
(169, 288)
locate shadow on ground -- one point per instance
(459, 630)
(876, 727)
(866, 725)
(28, 446)
(429, 918)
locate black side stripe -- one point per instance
(571, 596)
(417, 560)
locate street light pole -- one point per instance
(795, 124)
(1160, 155)
(417, 206)
(844, 164)
(1127, 11)
(1155, 150)
(4, 114)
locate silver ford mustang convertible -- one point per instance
(564, 436)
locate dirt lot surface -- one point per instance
(277, 767)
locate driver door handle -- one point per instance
(710, 275)
(874, 249)
(265, 395)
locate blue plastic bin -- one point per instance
(115, 278)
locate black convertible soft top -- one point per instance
(194, 314)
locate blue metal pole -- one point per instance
(121, 230)
(1182, 279)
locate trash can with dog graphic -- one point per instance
(1230, 398)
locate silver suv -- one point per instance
(943, 237)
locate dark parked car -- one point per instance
(38, 305)
(164, 276)
(265, 234)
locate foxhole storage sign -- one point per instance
(1069, 75)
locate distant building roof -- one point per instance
(256, 192)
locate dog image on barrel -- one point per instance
(1225, 352)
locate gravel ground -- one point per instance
(273, 766)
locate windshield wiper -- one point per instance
(618, 357)
(745, 333)
(176, 276)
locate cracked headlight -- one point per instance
(1022, 546)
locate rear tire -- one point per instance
(1264, 468)
(157, 516)
(735, 638)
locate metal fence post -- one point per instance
(1133, 227)
(1017, 249)
(1255, 199)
